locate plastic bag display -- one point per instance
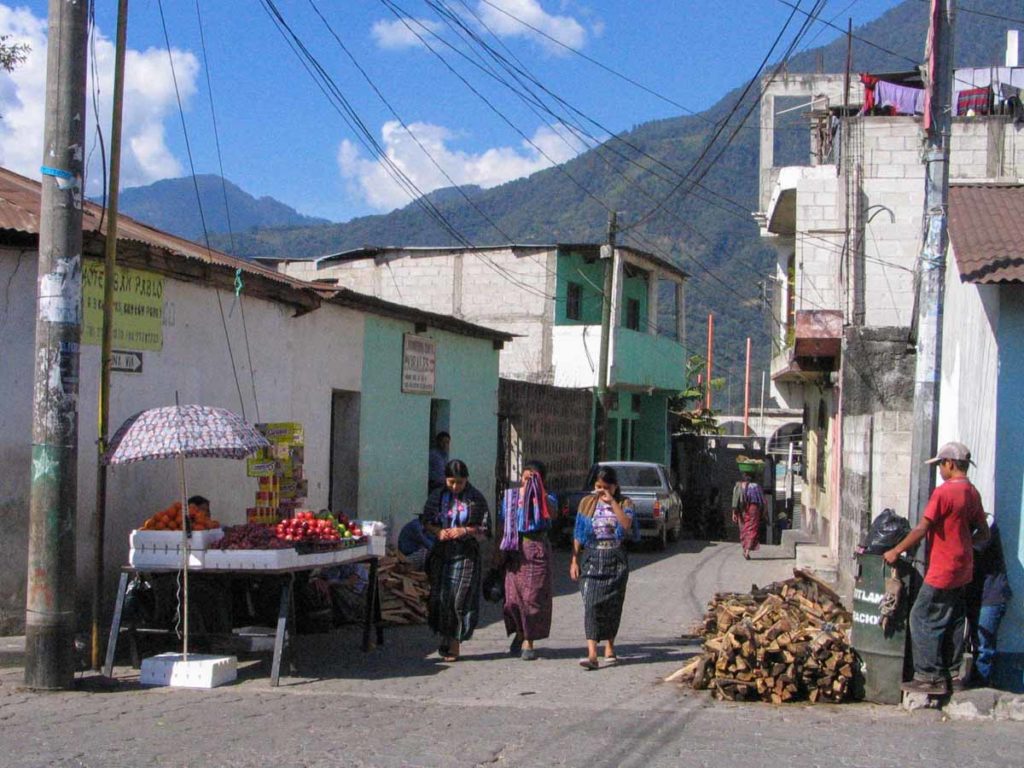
(887, 530)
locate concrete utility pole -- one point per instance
(50, 599)
(606, 328)
(746, 394)
(99, 518)
(932, 262)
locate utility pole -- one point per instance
(708, 361)
(99, 518)
(606, 328)
(932, 261)
(746, 394)
(53, 504)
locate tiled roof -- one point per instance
(19, 213)
(986, 230)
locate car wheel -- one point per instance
(674, 534)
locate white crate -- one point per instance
(162, 540)
(165, 558)
(200, 671)
(250, 559)
(377, 546)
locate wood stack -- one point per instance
(785, 642)
(404, 591)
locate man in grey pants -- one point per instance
(953, 523)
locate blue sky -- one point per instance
(280, 136)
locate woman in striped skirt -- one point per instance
(457, 515)
(603, 521)
(525, 553)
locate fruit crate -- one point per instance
(250, 559)
(165, 558)
(161, 541)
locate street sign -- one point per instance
(125, 361)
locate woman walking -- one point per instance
(457, 515)
(603, 521)
(525, 518)
(748, 506)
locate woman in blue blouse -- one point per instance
(603, 521)
(457, 515)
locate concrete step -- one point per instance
(818, 560)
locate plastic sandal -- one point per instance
(589, 664)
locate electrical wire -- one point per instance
(199, 201)
(227, 207)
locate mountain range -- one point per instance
(674, 196)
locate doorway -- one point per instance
(343, 495)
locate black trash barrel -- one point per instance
(883, 653)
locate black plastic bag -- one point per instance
(494, 586)
(887, 530)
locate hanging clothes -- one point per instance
(905, 100)
(978, 100)
(869, 82)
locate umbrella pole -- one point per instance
(184, 555)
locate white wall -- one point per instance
(576, 353)
(970, 360)
(498, 289)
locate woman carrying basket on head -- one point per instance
(748, 507)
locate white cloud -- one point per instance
(504, 17)
(371, 181)
(149, 100)
(398, 34)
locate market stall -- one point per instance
(255, 550)
(278, 540)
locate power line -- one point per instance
(227, 207)
(199, 201)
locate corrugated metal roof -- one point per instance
(986, 229)
(19, 212)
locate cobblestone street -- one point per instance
(400, 706)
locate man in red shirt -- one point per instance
(953, 523)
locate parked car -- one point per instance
(658, 510)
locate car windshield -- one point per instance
(634, 477)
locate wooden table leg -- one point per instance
(115, 624)
(282, 624)
(371, 614)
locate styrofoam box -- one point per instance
(250, 559)
(377, 545)
(200, 671)
(159, 540)
(166, 558)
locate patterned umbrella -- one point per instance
(183, 431)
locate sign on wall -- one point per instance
(138, 307)
(419, 358)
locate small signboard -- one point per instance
(125, 361)
(419, 359)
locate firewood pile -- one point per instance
(404, 591)
(785, 642)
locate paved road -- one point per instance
(400, 706)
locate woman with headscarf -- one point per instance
(747, 509)
(457, 515)
(525, 518)
(603, 521)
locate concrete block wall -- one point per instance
(893, 431)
